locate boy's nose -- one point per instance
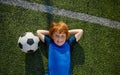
(59, 40)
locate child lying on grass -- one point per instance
(59, 46)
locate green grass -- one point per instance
(97, 53)
(101, 8)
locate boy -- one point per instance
(59, 46)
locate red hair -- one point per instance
(59, 27)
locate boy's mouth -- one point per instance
(59, 41)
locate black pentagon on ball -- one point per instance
(20, 45)
(30, 51)
(30, 41)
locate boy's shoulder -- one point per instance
(71, 40)
(47, 39)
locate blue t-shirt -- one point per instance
(59, 56)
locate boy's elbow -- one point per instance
(81, 30)
(38, 32)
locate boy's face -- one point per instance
(59, 38)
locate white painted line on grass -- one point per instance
(63, 12)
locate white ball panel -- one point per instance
(23, 40)
(29, 35)
(36, 39)
(34, 47)
(26, 47)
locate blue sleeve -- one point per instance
(72, 40)
(47, 40)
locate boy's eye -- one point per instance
(57, 36)
(62, 36)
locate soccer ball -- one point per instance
(28, 42)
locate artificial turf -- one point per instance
(97, 53)
(102, 8)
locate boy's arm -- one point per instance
(77, 32)
(41, 34)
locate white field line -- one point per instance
(63, 12)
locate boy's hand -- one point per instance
(77, 32)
